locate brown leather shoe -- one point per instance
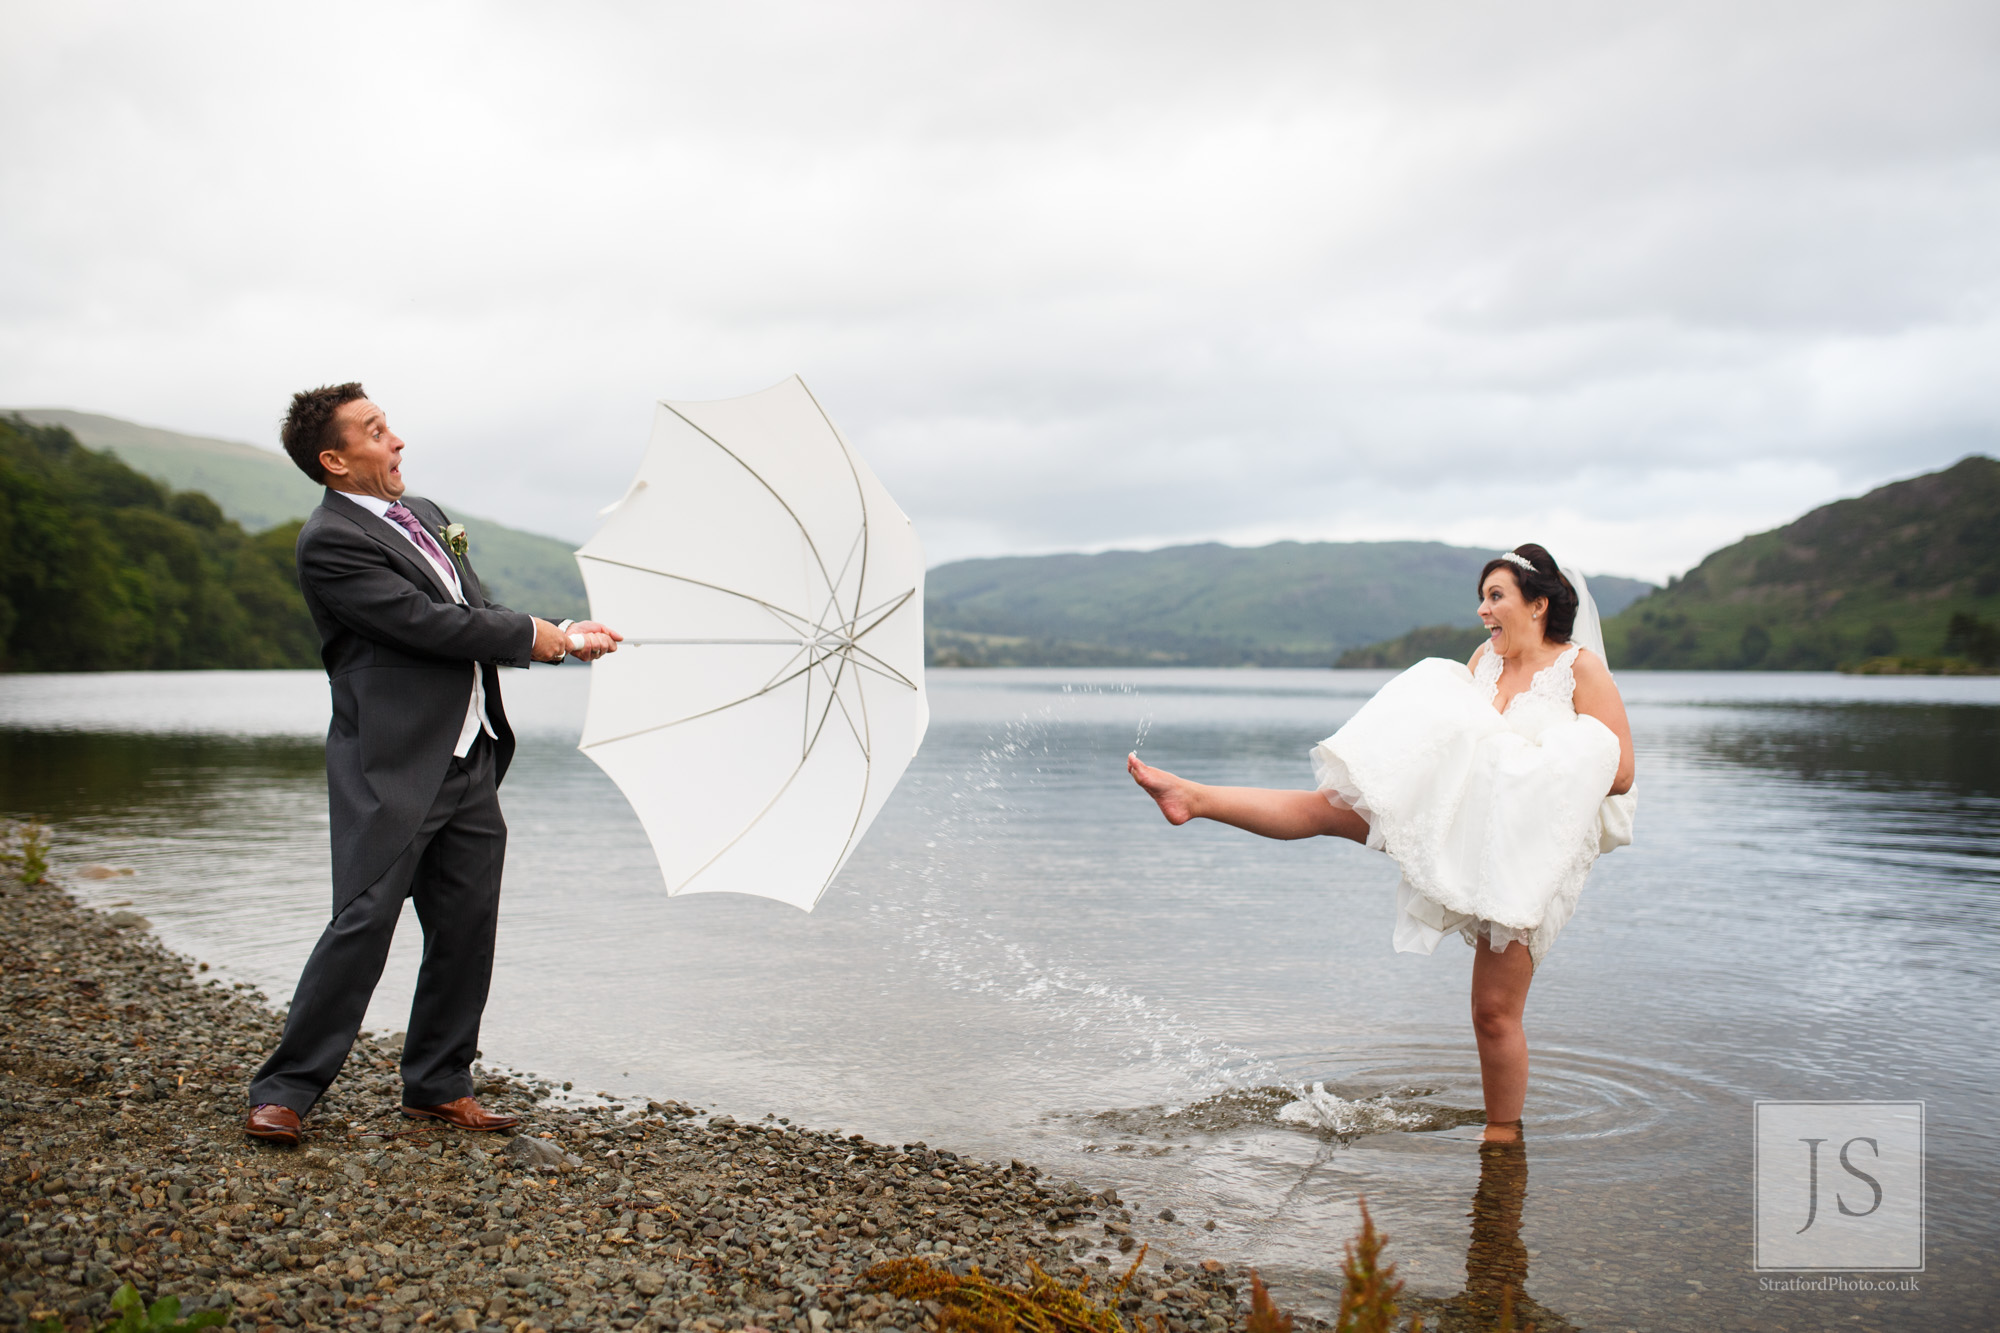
(466, 1113)
(279, 1124)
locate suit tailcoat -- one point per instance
(398, 652)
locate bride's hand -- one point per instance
(1176, 797)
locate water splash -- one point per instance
(1315, 1110)
(1339, 1117)
(967, 813)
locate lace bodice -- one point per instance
(1550, 696)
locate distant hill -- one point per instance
(1879, 577)
(1287, 604)
(260, 488)
(104, 569)
(1453, 641)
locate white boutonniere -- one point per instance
(454, 538)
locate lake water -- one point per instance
(1023, 960)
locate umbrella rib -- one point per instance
(860, 738)
(881, 668)
(860, 808)
(860, 494)
(744, 832)
(695, 717)
(777, 676)
(887, 608)
(790, 513)
(833, 593)
(833, 691)
(803, 622)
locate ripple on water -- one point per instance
(1311, 1110)
(1574, 1094)
(1422, 1088)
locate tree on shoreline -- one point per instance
(104, 569)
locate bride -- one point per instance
(1495, 788)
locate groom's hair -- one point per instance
(1544, 580)
(309, 427)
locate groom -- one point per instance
(417, 747)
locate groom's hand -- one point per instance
(592, 639)
(550, 643)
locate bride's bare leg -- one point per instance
(1267, 811)
(1499, 998)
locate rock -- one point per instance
(533, 1152)
(1167, 1215)
(465, 1321)
(103, 872)
(514, 1277)
(649, 1283)
(128, 921)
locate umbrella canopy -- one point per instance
(771, 688)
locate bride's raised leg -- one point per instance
(1499, 999)
(1267, 811)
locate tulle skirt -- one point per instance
(1495, 819)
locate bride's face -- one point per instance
(1513, 624)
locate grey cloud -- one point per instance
(1071, 276)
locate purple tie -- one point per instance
(404, 519)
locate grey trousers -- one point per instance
(452, 870)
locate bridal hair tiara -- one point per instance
(1520, 560)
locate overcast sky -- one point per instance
(1630, 280)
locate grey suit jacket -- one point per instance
(396, 647)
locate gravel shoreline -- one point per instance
(122, 1158)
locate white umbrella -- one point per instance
(771, 687)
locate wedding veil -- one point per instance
(1589, 630)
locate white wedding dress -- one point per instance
(1495, 818)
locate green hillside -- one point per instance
(104, 569)
(1453, 641)
(259, 488)
(1287, 604)
(1879, 577)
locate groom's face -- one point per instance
(369, 460)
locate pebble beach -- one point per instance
(122, 1159)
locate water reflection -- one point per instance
(65, 775)
(1496, 1262)
(1874, 747)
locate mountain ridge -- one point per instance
(1285, 604)
(261, 488)
(1881, 575)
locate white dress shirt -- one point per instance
(476, 720)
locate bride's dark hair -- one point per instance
(1544, 580)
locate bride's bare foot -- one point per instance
(1175, 795)
(1507, 1133)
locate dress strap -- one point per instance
(1487, 674)
(1557, 680)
